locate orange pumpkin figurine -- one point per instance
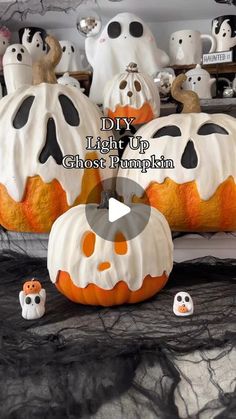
(32, 287)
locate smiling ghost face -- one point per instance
(183, 304)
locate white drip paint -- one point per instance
(150, 253)
(216, 153)
(20, 148)
(114, 96)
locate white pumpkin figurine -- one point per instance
(183, 304)
(17, 67)
(126, 38)
(132, 95)
(32, 300)
(71, 59)
(67, 80)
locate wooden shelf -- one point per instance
(212, 69)
(222, 105)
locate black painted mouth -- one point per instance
(19, 57)
(51, 147)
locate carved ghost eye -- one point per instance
(114, 30)
(123, 84)
(63, 49)
(22, 115)
(170, 131)
(208, 129)
(137, 85)
(136, 29)
(70, 113)
(179, 298)
(88, 243)
(120, 244)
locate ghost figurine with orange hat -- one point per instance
(183, 304)
(32, 300)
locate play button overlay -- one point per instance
(127, 212)
(117, 210)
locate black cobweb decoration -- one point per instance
(137, 361)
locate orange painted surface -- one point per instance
(186, 211)
(120, 294)
(141, 115)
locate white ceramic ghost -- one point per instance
(225, 39)
(71, 59)
(126, 38)
(17, 67)
(33, 305)
(183, 304)
(35, 46)
(67, 80)
(200, 82)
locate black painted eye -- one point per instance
(22, 50)
(199, 78)
(170, 131)
(190, 78)
(72, 48)
(70, 113)
(187, 299)
(22, 115)
(208, 129)
(37, 45)
(190, 36)
(136, 29)
(63, 49)
(13, 50)
(114, 30)
(28, 300)
(123, 84)
(137, 86)
(4, 42)
(179, 298)
(37, 299)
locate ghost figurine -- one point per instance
(33, 304)
(71, 59)
(125, 38)
(34, 43)
(225, 36)
(67, 80)
(183, 304)
(17, 67)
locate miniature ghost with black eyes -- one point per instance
(71, 59)
(224, 34)
(200, 82)
(34, 43)
(125, 38)
(17, 67)
(183, 304)
(33, 304)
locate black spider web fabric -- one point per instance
(137, 361)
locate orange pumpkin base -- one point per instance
(43, 203)
(186, 211)
(141, 115)
(120, 294)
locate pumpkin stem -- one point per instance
(132, 68)
(189, 99)
(44, 69)
(105, 196)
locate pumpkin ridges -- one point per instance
(141, 115)
(191, 202)
(12, 213)
(213, 214)
(120, 294)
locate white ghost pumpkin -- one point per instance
(91, 270)
(183, 304)
(17, 67)
(33, 305)
(126, 38)
(34, 43)
(132, 95)
(70, 59)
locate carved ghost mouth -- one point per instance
(51, 147)
(19, 57)
(189, 158)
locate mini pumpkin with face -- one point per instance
(38, 126)
(132, 95)
(194, 186)
(89, 269)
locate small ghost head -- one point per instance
(17, 54)
(183, 304)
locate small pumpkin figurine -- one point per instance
(132, 95)
(89, 269)
(32, 286)
(194, 185)
(39, 125)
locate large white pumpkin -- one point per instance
(109, 272)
